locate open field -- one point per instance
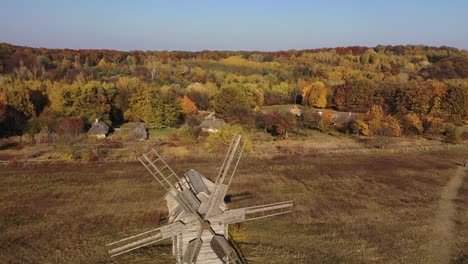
(368, 208)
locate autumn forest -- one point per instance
(394, 90)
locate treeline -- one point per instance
(39, 87)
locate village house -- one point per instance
(99, 129)
(211, 124)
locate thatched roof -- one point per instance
(46, 131)
(212, 123)
(343, 118)
(139, 131)
(295, 110)
(99, 128)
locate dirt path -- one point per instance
(443, 223)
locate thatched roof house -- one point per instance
(343, 118)
(295, 110)
(99, 129)
(139, 131)
(46, 135)
(211, 124)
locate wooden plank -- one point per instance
(172, 229)
(216, 200)
(229, 217)
(197, 182)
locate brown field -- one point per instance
(377, 207)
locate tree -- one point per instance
(359, 127)
(3, 107)
(233, 106)
(433, 125)
(360, 95)
(391, 127)
(412, 124)
(315, 94)
(455, 103)
(277, 124)
(375, 119)
(70, 128)
(188, 106)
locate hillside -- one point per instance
(415, 89)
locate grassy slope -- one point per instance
(349, 208)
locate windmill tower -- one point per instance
(198, 216)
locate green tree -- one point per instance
(233, 106)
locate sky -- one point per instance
(265, 25)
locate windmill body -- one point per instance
(202, 187)
(198, 216)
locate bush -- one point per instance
(451, 135)
(220, 140)
(188, 134)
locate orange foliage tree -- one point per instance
(188, 106)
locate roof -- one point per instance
(213, 123)
(46, 131)
(342, 118)
(139, 131)
(98, 128)
(295, 110)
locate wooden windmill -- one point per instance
(198, 215)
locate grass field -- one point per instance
(367, 208)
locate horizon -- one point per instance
(209, 50)
(242, 26)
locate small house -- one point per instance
(295, 110)
(46, 135)
(99, 129)
(211, 124)
(343, 118)
(139, 132)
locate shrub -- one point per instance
(451, 135)
(359, 127)
(188, 134)
(220, 140)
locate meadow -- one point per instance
(378, 207)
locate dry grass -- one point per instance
(367, 208)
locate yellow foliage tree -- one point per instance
(315, 94)
(412, 124)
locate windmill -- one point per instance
(198, 215)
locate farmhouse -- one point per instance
(99, 129)
(211, 124)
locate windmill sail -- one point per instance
(161, 171)
(222, 183)
(144, 239)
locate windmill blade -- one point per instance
(161, 171)
(222, 183)
(225, 252)
(144, 239)
(192, 251)
(252, 213)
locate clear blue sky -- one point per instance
(232, 24)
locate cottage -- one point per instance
(211, 124)
(46, 135)
(139, 132)
(99, 129)
(343, 118)
(295, 110)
